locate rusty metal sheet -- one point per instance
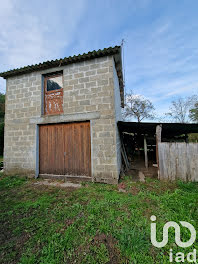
(53, 94)
(54, 102)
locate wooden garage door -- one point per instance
(65, 149)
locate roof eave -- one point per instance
(61, 62)
(111, 51)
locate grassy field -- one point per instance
(93, 224)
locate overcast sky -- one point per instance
(161, 39)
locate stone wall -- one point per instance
(88, 94)
(23, 101)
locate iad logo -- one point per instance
(177, 234)
(191, 256)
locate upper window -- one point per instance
(54, 82)
(53, 93)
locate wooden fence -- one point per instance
(178, 161)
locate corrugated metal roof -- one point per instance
(60, 62)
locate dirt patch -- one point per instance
(132, 175)
(153, 252)
(108, 241)
(21, 241)
(150, 207)
(58, 184)
(122, 187)
(32, 191)
(14, 244)
(6, 233)
(134, 190)
(162, 187)
(67, 223)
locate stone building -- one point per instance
(61, 117)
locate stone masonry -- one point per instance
(91, 92)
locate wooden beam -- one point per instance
(145, 153)
(124, 155)
(158, 140)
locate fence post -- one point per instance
(145, 153)
(158, 140)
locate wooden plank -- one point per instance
(158, 140)
(178, 161)
(83, 149)
(50, 143)
(145, 153)
(67, 150)
(42, 147)
(59, 149)
(41, 161)
(88, 154)
(68, 169)
(124, 155)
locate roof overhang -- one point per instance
(168, 129)
(118, 65)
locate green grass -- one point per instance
(1, 158)
(93, 224)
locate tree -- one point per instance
(179, 109)
(194, 113)
(138, 107)
(2, 106)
